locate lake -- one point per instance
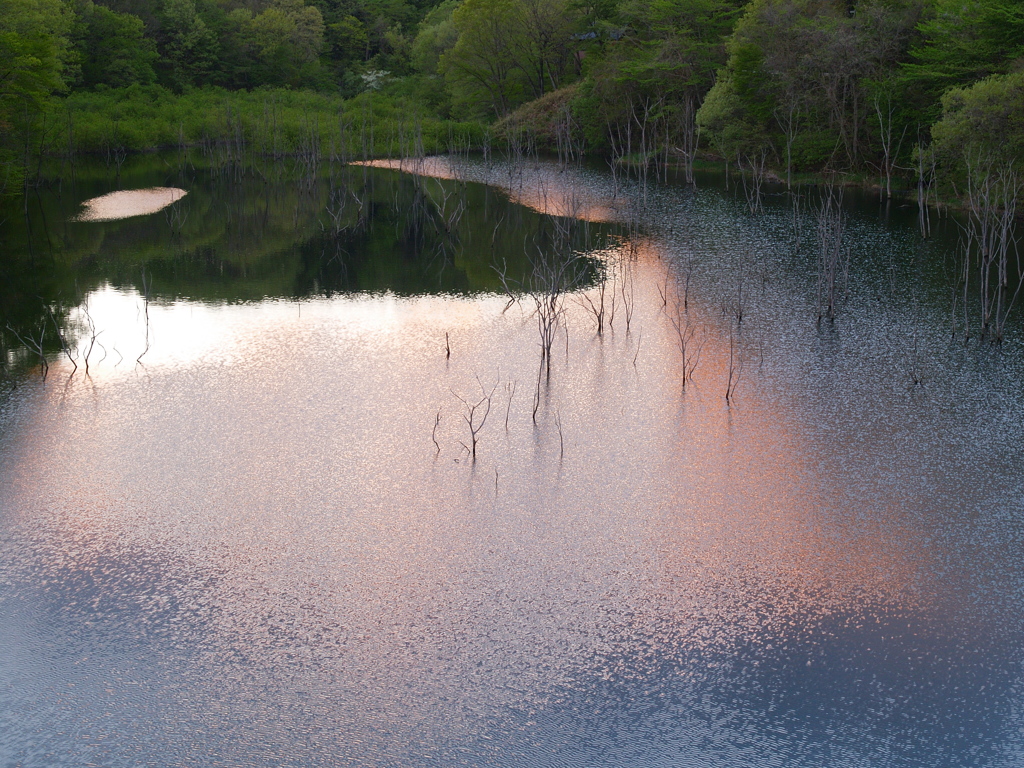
(241, 522)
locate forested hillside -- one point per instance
(897, 91)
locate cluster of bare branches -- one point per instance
(753, 172)
(887, 118)
(990, 245)
(634, 141)
(833, 252)
(553, 275)
(36, 344)
(450, 204)
(475, 415)
(568, 139)
(690, 338)
(600, 300)
(650, 134)
(520, 145)
(613, 289)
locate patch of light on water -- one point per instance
(120, 333)
(542, 187)
(128, 203)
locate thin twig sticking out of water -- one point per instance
(735, 367)
(626, 287)
(561, 440)
(510, 388)
(93, 336)
(65, 348)
(536, 391)
(145, 310)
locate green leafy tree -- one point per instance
(807, 74)
(188, 47)
(437, 35)
(660, 64)
(346, 40)
(482, 68)
(284, 41)
(508, 52)
(112, 48)
(34, 48)
(961, 42)
(983, 120)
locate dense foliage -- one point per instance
(863, 87)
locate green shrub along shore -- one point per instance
(267, 122)
(923, 95)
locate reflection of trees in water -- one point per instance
(248, 238)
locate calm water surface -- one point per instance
(251, 535)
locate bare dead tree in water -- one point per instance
(686, 274)
(595, 300)
(65, 347)
(476, 415)
(645, 115)
(555, 271)
(516, 149)
(552, 277)
(788, 119)
(337, 201)
(689, 134)
(513, 291)
(833, 252)
(739, 304)
(450, 206)
(753, 165)
(634, 141)
(690, 343)
(798, 204)
(568, 139)
(990, 243)
(887, 133)
(925, 185)
(93, 336)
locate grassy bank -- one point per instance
(269, 122)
